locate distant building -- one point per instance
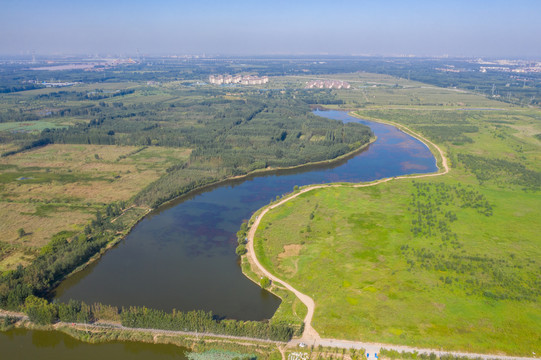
(238, 79)
(58, 84)
(327, 84)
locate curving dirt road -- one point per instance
(310, 334)
(310, 337)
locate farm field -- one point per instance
(372, 91)
(450, 261)
(61, 186)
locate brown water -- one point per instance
(21, 344)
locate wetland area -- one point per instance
(182, 255)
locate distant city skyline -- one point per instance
(246, 27)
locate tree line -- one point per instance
(43, 312)
(63, 254)
(202, 321)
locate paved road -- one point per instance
(375, 348)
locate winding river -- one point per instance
(182, 255)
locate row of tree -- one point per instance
(205, 322)
(43, 312)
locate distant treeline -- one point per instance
(525, 89)
(97, 94)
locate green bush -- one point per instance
(40, 311)
(264, 282)
(241, 250)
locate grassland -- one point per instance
(373, 91)
(60, 187)
(449, 262)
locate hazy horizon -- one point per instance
(241, 27)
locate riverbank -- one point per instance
(254, 270)
(288, 220)
(105, 332)
(264, 172)
(215, 184)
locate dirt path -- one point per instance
(310, 336)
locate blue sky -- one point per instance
(242, 27)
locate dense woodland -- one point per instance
(231, 132)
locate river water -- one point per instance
(21, 344)
(182, 255)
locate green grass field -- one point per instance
(447, 262)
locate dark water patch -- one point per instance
(183, 254)
(20, 344)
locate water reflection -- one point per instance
(183, 255)
(25, 344)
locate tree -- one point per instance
(40, 310)
(241, 250)
(21, 232)
(264, 282)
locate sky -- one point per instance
(260, 27)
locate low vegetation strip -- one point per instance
(42, 312)
(202, 321)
